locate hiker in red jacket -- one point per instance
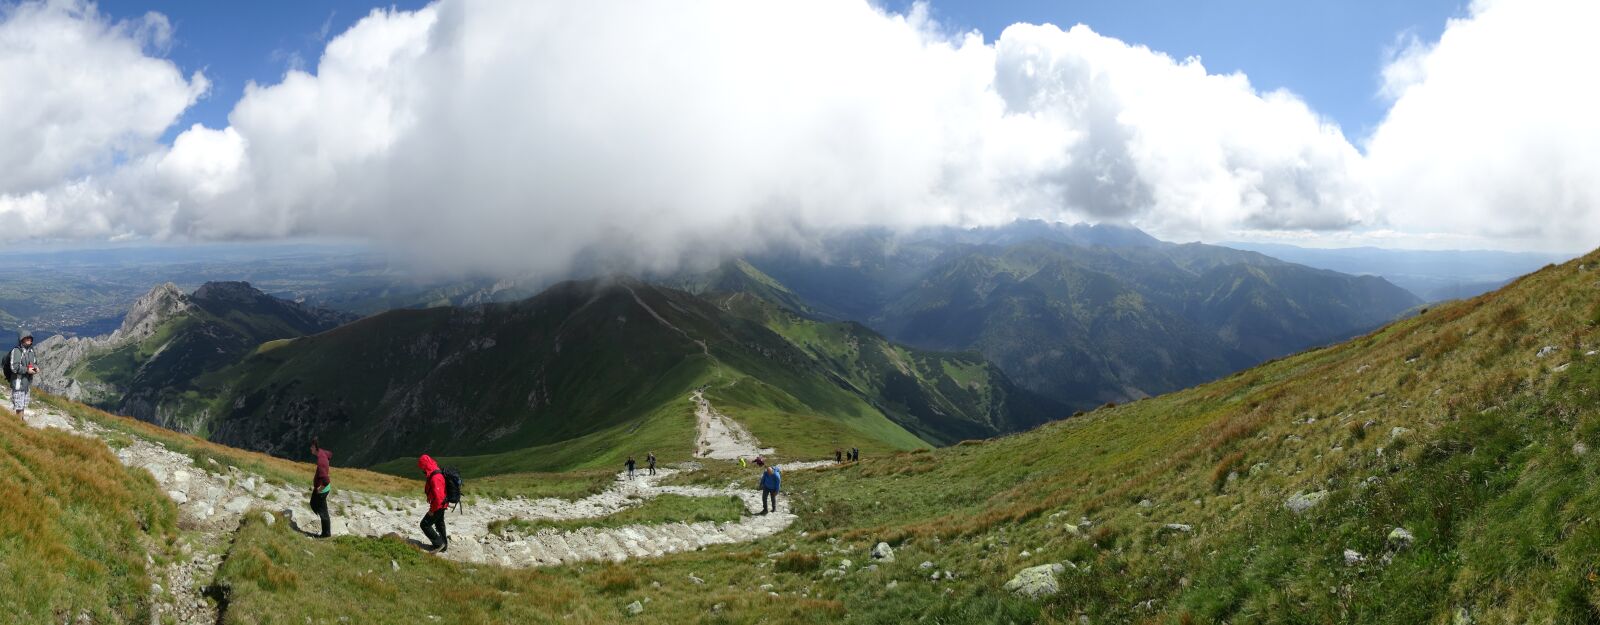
(433, 487)
(320, 485)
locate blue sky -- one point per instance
(1327, 51)
(234, 43)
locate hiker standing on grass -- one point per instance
(320, 485)
(771, 479)
(742, 463)
(855, 454)
(19, 370)
(630, 467)
(650, 459)
(838, 456)
(433, 487)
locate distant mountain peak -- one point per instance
(228, 291)
(152, 309)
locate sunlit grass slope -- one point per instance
(76, 530)
(1472, 426)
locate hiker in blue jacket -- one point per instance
(771, 479)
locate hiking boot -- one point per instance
(443, 547)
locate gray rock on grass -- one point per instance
(1036, 582)
(1302, 502)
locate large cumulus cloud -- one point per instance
(509, 135)
(1494, 131)
(78, 91)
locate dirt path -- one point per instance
(720, 437)
(212, 499)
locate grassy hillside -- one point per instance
(1472, 427)
(576, 378)
(942, 397)
(77, 530)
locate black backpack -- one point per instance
(6, 364)
(452, 485)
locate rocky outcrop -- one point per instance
(229, 321)
(58, 354)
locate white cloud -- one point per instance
(78, 91)
(1495, 129)
(515, 135)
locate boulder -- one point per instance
(1398, 432)
(1400, 538)
(1547, 350)
(883, 552)
(1302, 502)
(635, 608)
(1177, 527)
(237, 505)
(1353, 557)
(1037, 581)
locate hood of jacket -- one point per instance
(426, 463)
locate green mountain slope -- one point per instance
(154, 366)
(575, 377)
(942, 397)
(1085, 314)
(1471, 427)
(1275, 495)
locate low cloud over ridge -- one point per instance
(506, 135)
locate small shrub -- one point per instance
(614, 579)
(797, 562)
(1357, 430)
(1219, 474)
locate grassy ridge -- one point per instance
(77, 529)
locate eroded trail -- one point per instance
(720, 437)
(212, 498)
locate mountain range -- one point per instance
(880, 342)
(1433, 470)
(1084, 314)
(1433, 275)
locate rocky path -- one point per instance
(720, 437)
(213, 498)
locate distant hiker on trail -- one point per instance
(320, 485)
(433, 487)
(742, 463)
(761, 462)
(630, 467)
(650, 459)
(771, 479)
(855, 454)
(20, 369)
(838, 456)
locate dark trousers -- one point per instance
(652, 468)
(766, 494)
(319, 505)
(433, 527)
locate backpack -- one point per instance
(452, 485)
(6, 364)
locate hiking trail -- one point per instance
(213, 498)
(720, 437)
